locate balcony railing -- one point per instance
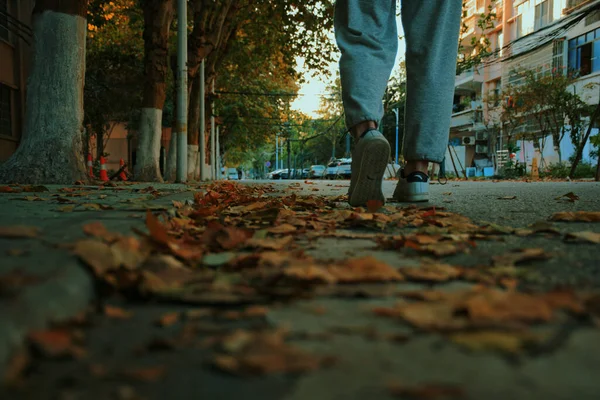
(467, 116)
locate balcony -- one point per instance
(470, 80)
(467, 118)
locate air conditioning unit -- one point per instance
(481, 149)
(481, 136)
(468, 140)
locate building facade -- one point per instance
(542, 35)
(15, 43)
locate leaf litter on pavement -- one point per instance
(240, 245)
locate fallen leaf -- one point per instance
(508, 342)
(96, 255)
(19, 231)
(16, 252)
(16, 366)
(33, 188)
(519, 256)
(364, 269)
(427, 391)
(283, 228)
(270, 243)
(116, 312)
(52, 342)
(507, 198)
(374, 205)
(168, 319)
(572, 197)
(586, 236)
(145, 374)
(576, 216)
(8, 189)
(66, 209)
(431, 272)
(97, 229)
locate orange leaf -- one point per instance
(365, 269)
(168, 319)
(576, 216)
(19, 231)
(283, 228)
(428, 391)
(116, 312)
(157, 231)
(52, 342)
(374, 205)
(147, 374)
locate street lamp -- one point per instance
(395, 110)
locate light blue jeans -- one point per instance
(367, 36)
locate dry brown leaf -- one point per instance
(16, 366)
(97, 229)
(507, 198)
(96, 255)
(157, 231)
(519, 256)
(499, 306)
(586, 236)
(364, 269)
(145, 374)
(270, 243)
(263, 353)
(508, 342)
(428, 391)
(374, 205)
(116, 312)
(308, 273)
(576, 216)
(168, 319)
(572, 197)
(283, 228)
(52, 342)
(19, 231)
(431, 272)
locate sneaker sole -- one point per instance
(368, 184)
(420, 196)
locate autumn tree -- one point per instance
(158, 15)
(51, 146)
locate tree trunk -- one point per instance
(171, 164)
(99, 144)
(158, 15)
(579, 154)
(193, 132)
(51, 150)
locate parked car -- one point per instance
(305, 173)
(345, 168)
(332, 168)
(232, 174)
(316, 171)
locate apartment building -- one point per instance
(530, 34)
(15, 42)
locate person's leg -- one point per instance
(431, 30)
(366, 35)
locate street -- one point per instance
(280, 290)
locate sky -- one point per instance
(310, 91)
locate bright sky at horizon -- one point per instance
(313, 89)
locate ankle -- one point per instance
(357, 130)
(416, 166)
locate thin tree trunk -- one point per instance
(579, 155)
(193, 132)
(51, 150)
(171, 167)
(158, 15)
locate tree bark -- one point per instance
(51, 150)
(193, 131)
(579, 154)
(158, 15)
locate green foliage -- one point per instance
(472, 53)
(562, 170)
(513, 169)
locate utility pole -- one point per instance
(289, 157)
(182, 91)
(395, 110)
(212, 129)
(277, 151)
(217, 166)
(202, 125)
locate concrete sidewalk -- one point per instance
(54, 285)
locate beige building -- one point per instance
(528, 34)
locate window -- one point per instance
(557, 55)
(497, 91)
(543, 14)
(5, 110)
(584, 53)
(519, 26)
(592, 18)
(3, 19)
(499, 43)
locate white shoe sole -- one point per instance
(414, 192)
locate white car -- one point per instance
(232, 174)
(332, 168)
(316, 171)
(345, 168)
